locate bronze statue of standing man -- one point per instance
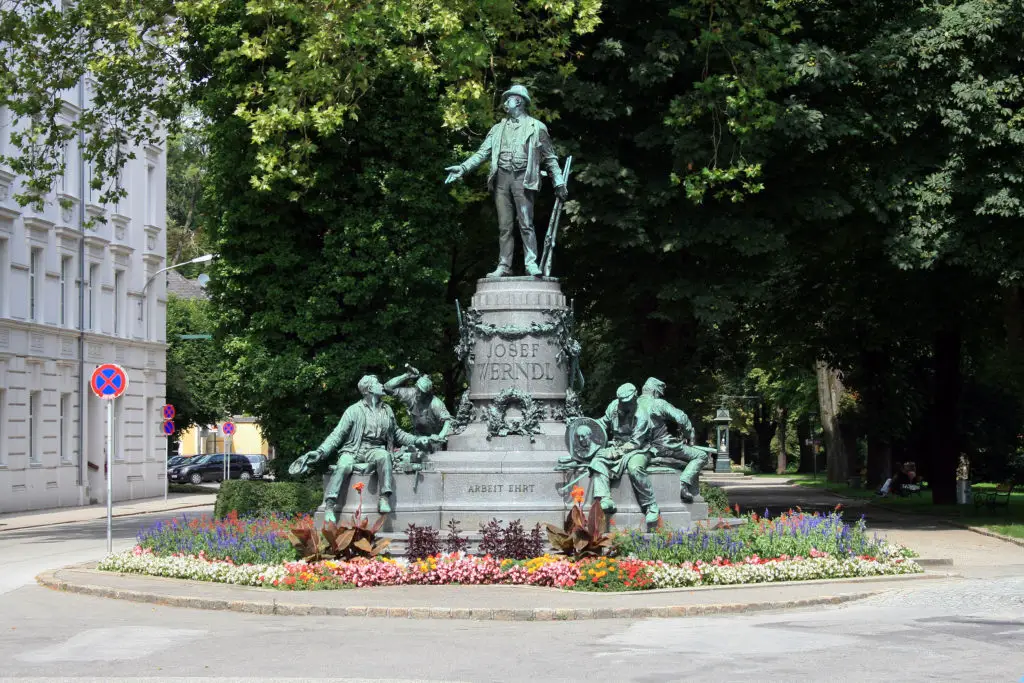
(516, 148)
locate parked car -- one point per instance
(176, 460)
(259, 464)
(211, 468)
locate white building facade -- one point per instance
(71, 298)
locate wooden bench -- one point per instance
(993, 498)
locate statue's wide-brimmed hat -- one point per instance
(597, 433)
(626, 393)
(517, 90)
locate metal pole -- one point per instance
(167, 456)
(227, 453)
(110, 473)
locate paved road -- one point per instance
(951, 631)
(26, 552)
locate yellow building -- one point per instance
(247, 440)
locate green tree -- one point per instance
(341, 250)
(194, 366)
(187, 214)
(46, 48)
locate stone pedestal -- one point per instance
(722, 462)
(517, 342)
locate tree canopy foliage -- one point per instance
(763, 193)
(193, 365)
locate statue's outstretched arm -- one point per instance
(477, 158)
(395, 382)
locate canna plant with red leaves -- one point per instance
(581, 535)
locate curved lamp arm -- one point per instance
(205, 258)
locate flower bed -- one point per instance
(794, 546)
(790, 534)
(243, 540)
(602, 574)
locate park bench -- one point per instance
(916, 489)
(993, 498)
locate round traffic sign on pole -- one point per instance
(228, 428)
(168, 412)
(109, 381)
(168, 427)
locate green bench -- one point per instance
(993, 498)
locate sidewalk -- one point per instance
(86, 513)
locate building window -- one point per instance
(5, 129)
(119, 185)
(5, 268)
(149, 421)
(151, 195)
(3, 428)
(63, 444)
(118, 304)
(91, 192)
(35, 279)
(65, 159)
(65, 280)
(35, 413)
(92, 296)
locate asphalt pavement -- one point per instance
(947, 629)
(963, 631)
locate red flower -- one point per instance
(359, 486)
(577, 494)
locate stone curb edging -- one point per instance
(49, 579)
(987, 532)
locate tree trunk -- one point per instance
(945, 433)
(879, 461)
(803, 434)
(765, 427)
(830, 388)
(850, 435)
(783, 415)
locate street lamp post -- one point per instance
(812, 423)
(205, 258)
(722, 420)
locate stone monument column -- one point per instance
(519, 351)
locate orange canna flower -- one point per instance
(359, 486)
(577, 494)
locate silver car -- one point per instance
(259, 465)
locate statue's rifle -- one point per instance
(562, 490)
(556, 214)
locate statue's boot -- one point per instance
(329, 516)
(686, 491)
(383, 506)
(653, 513)
(500, 271)
(608, 505)
(533, 269)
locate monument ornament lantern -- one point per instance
(722, 420)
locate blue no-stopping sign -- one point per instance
(109, 381)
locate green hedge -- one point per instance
(714, 496)
(257, 498)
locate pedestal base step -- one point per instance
(433, 498)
